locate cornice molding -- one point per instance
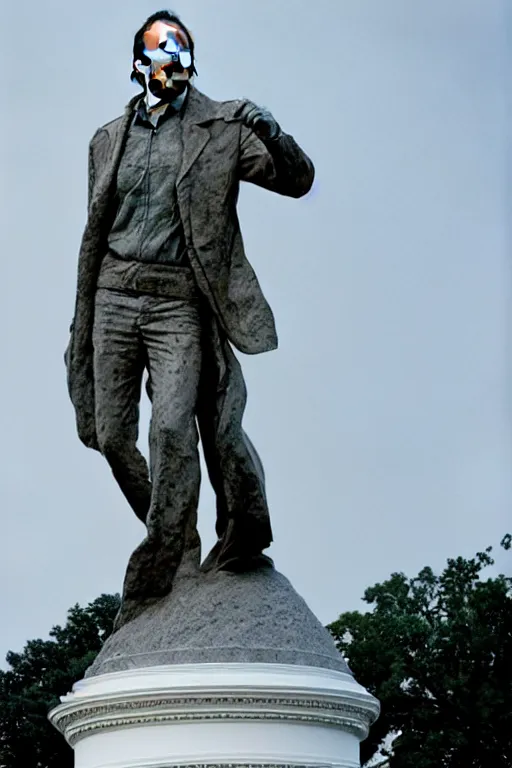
(87, 718)
(216, 693)
(287, 764)
(249, 765)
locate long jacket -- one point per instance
(219, 151)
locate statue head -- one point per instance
(163, 57)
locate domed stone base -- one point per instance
(227, 671)
(222, 617)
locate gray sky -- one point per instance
(383, 420)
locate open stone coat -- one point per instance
(218, 152)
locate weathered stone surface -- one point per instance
(222, 617)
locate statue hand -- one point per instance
(260, 120)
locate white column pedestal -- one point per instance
(217, 716)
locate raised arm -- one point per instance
(271, 158)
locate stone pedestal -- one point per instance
(217, 715)
(228, 670)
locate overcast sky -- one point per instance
(384, 419)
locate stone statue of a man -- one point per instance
(164, 287)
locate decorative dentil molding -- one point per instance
(217, 693)
(250, 765)
(287, 763)
(86, 718)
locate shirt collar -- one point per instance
(157, 114)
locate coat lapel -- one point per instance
(199, 111)
(195, 138)
(106, 175)
(195, 135)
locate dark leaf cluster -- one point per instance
(436, 650)
(37, 677)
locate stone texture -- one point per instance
(222, 617)
(217, 151)
(212, 165)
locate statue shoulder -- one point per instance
(108, 130)
(202, 107)
(230, 109)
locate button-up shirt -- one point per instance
(147, 226)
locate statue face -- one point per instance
(165, 61)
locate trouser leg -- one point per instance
(235, 469)
(171, 333)
(118, 368)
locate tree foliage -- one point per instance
(37, 677)
(437, 652)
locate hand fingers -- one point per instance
(249, 113)
(259, 119)
(242, 110)
(253, 116)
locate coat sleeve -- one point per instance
(91, 180)
(98, 154)
(91, 176)
(279, 165)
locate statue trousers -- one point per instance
(137, 332)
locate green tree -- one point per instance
(45, 670)
(436, 650)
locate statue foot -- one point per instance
(236, 562)
(229, 554)
(244, 564)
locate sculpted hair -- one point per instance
(138, 40)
